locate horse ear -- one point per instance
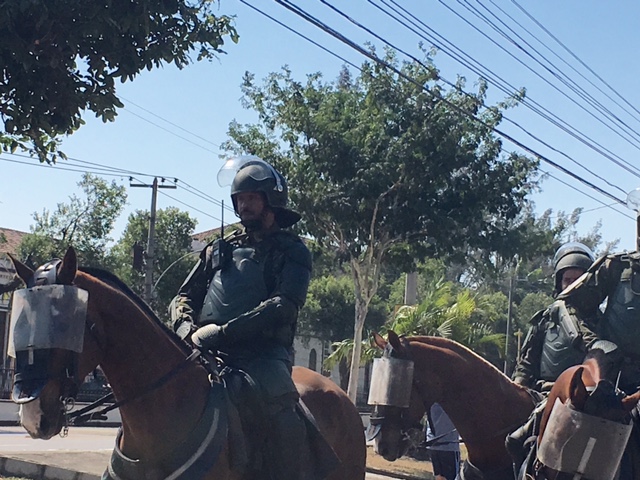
(68, 268)
(630, 401)
(378, 341)
(24, 272)
(577, 391)
(394, 340)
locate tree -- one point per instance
(382, 163)
(172, 252)
(84, 223)
(328, 313)
(62, 57)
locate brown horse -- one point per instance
(482, 403)
(163, 397)
(588, 390)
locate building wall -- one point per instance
(6, 275)
(307, 348)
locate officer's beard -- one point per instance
(252, 224)
(255, 223)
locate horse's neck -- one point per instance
(138, 353)
(482, 403)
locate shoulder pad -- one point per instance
(294, 248)
(537, 317)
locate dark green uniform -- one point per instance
(615, 278)
(245, 297)
(557, 340)
(255, 295)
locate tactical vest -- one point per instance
(235, 289)
(622, 325)
(559, 350)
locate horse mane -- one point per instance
(456, 347)
(115, 282)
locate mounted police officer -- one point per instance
(558, 337)
(616, 279)
(243, 296)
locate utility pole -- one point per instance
(411, 289)
(512, 283)
(519, 334)
(148, 272)
(509, 313)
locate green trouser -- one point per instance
(286, 439)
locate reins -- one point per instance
(87, 413)
(80, 416)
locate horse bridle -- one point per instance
(47, 275)
(406, 426)
(377, 420)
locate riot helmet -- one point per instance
(248, 173)
(570, 255)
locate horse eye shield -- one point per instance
(48, 316)
(391, 382)
(582, 444)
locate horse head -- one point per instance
(585, 425)
(49, 322)
(483, 404)
(398, 408)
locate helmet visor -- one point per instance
(228, 171)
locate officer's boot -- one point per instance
(517, 442)
(520, 442)
(287, 444)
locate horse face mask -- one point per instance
(391, 382)
(43, 318)
(582, 444)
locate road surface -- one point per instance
(100, 441)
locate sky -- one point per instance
(577, 60)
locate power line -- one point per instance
(537, 74)
(554, 53)
(170, 123)
(314, 21)
(451, 84)
(171, 132)
(364, 52)
(604, 205)
(542, 27)
(191, 207)
(552, 69)
(104, 170)
(565, 80)
(502, 85)
(299, 34)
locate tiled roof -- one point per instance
(13, 239)
(206, 236)
(209, 235)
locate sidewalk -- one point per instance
(82, 455)
(55, 465)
